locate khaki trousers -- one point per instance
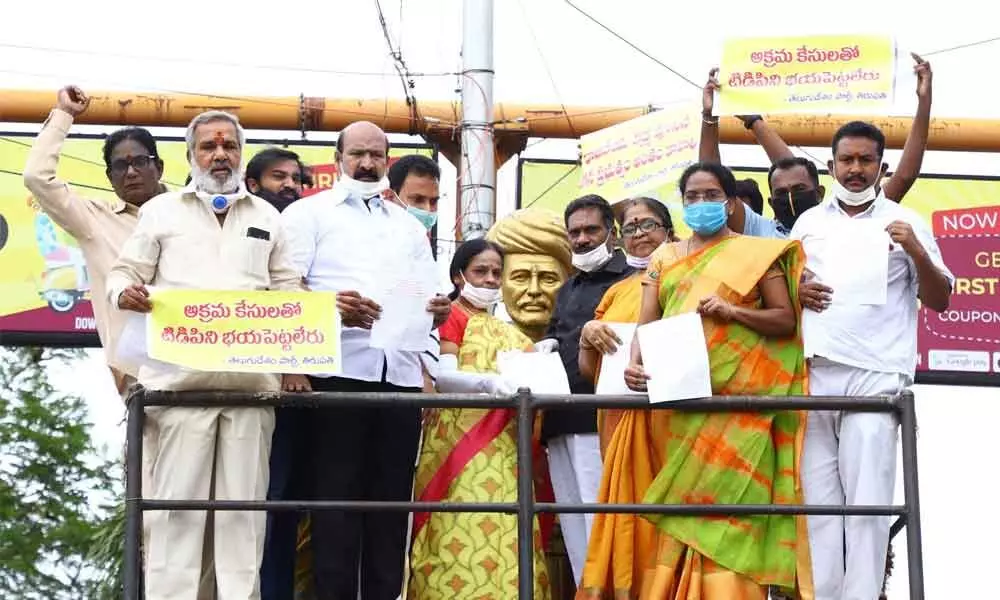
(191, 450)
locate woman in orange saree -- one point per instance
(470, 455)
(743, 289)
(645, 224)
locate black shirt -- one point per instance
(575, 305)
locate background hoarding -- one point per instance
(44, 285)
(958, 347)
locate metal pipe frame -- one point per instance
(525, 403)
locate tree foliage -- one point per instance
(51, 477)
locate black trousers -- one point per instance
(361, 454)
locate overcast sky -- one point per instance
(533, 38)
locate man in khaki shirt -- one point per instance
(133, 168)
(211, 235)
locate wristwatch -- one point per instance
(749, 121)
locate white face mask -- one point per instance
(593, 260)
(220, 203)
(480, 297)
(637, 263)
(362, 189)
(853, 198)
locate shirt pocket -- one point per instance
(253, 258)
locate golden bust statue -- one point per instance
(538, 260)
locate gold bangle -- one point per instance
(710, 120)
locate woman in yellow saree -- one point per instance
(645, 224)
(743, 289)
(470, 455)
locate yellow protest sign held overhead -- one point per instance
(835, 73)
(245, 331)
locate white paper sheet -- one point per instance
(542, 372)
(856, 263)
(612, 377)
(405, 323)
(132, 351)
(675, 356)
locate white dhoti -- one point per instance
(849, 458)
(575, 469)
(190, 445)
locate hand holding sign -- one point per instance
(708, 93)
(136, 298)
(924, 76)
(356, 310)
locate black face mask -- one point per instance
(279, 201)
(788, 207)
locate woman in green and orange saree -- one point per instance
(743, 288)
(470, 455)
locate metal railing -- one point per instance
(525, 403)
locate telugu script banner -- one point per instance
(639, 155)
(245, 331)
(840, 74)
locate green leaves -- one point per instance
(53, 483)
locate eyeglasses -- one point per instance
(645, 226)
(709, 195)
(120, 166)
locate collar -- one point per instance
(339, 195)
(119, 206)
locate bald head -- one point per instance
(362, 151)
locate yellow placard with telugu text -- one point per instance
(245, 331)
(835, 73)
(639, 155)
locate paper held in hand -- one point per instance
(612, 377)
(405, 324)
(541, 372)
(856, 263)
(675, 356)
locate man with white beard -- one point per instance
(210, 235)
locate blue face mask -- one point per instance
(705, 217)
(426, 217)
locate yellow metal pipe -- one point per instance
(333, 114)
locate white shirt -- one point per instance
(873, 337)
(178, 243)
(339, 244)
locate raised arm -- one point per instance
(767, 138)
(53, 195)
(916, 141)
(708, 149)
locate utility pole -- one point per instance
(477, 171)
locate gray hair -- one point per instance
(207, 117)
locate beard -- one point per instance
(204, 181)
(280, 200)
